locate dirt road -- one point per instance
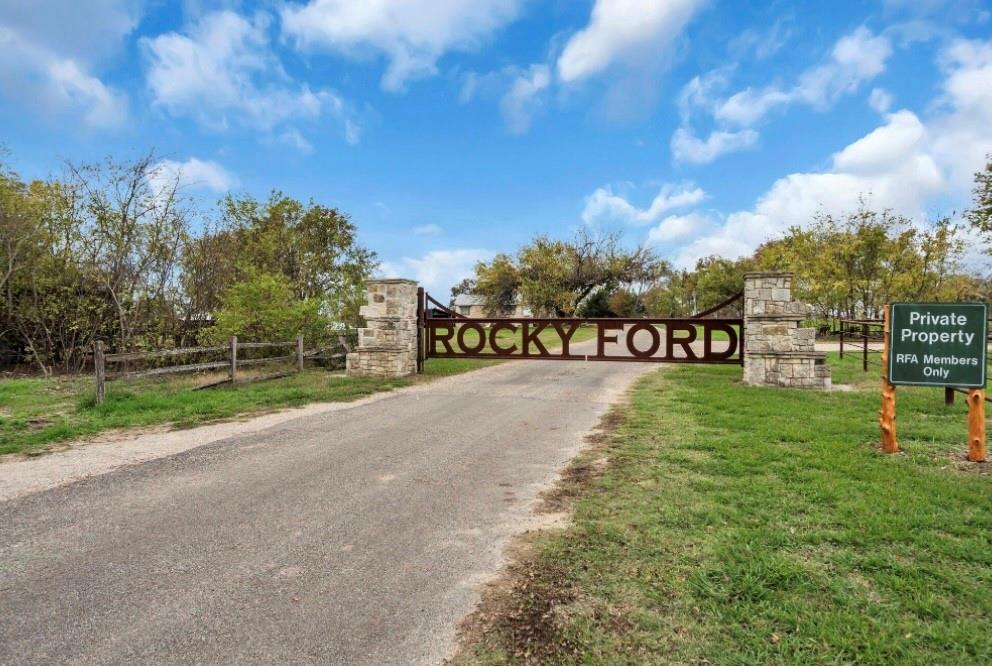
(355, 536)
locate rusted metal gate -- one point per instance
(448, 334)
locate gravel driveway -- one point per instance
(348, 536)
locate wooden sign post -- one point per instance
(976, 425)
(887, 416)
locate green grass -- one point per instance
(717, 335)
(35, 413)
(739, 525)
(442, 367)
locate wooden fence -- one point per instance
(232, 361)
(865, 330)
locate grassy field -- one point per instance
(738, 525)
(35, 413)
(717, 335)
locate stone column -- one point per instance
(387, 346)
(776, 351)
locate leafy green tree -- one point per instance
(597, 304)
(980, 216)
(626, 303)
(850, 267)
(497, 282)
(466, 286)
(716, 279)
(264, 308)
(555, 276)
(315, 247)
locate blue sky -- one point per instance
(453, 129)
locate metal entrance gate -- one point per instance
(702, 338)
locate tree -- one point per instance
(555, 276)
(209, 268)
(980, 216)
(97, 258)
(626, 303)
(497, 282)
(597, 304)
(129, 223)
(19, 216)
(849, 267)
(264, 308)
(106, 252)
(313, 246)
(466, 286)
(717, 279)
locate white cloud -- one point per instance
(48, 51)
(961, 135)
(749, 106)
(855, 59)
(701, 91)
(523, 99)
(880, 100)
(905, 164)
(603, 206)
(437, 270)
(890, 167)
(623, 31)
(521, 92)
(294, 139)
(902, 165)
(679, 227)
(222, 72)
(193, 173)
(687, 147)
(86, 32)
(412, 34)
(762, 43)
(428, 230)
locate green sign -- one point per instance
(938, 344)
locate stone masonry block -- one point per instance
(776, 351)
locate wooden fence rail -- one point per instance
(232, 363)
(865, 330)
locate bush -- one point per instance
(263, 308)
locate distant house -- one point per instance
(471, 305)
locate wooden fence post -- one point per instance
(976, 425)
(864, 350)
(887, 416)
(100, 371)
(299, 353)
(233, 372)
(949, 395)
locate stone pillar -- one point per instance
(776, 351)
(387, 346)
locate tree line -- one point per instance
(845, 265)
(116, 251)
